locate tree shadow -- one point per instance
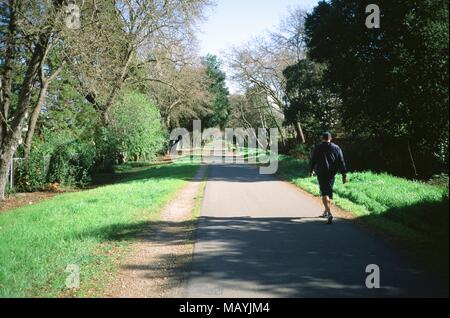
(169, 233)
(420, 229)
(162, 261)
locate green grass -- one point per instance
(254, 155)
(91, 229)
(412, 211)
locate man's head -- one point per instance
(326, 137)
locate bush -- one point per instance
(135, 132)
(61, 159)
(74, 143)
(71, 163)
(31, 173)
(302, 151)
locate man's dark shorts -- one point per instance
(326, 184)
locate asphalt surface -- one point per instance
(260, 237)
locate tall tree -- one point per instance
(309, 99)
(48, 72)
(31, 36)
(393, 80)
(259, 65)
(221, 104)
(128, 38)
(181, 92)
(261, 62)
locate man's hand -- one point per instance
(344, 179)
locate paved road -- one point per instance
(258, 237)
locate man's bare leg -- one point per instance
(327, 203)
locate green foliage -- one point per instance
(135, 132)
(69, 136)
(31, 173)
(63, 148)
(302, 151)
(71, 163)
(221, 107)
(309, 100)
(394, 80)
(37, 242)
(66, 114)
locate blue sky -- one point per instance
(231, 22)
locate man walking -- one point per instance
(327, 160)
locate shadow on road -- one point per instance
(293, 257)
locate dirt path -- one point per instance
(157, 266)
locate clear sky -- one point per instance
(231, 22)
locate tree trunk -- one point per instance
(4, 171)
(34, 117)
(11, 138)
(6, 80)
(9, 146)
(280, 131)
(413, 163)
(45, 83)
(299, 132)
(105, 117)
(116, 88)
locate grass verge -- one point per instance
(90, 229)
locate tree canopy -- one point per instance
(392, 80)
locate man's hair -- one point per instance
(326, 136)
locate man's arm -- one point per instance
(342, 166)
(313, 161)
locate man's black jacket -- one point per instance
(327, 160)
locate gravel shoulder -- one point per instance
(157, 266)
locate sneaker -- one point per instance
(330, 219)
(325, 215)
